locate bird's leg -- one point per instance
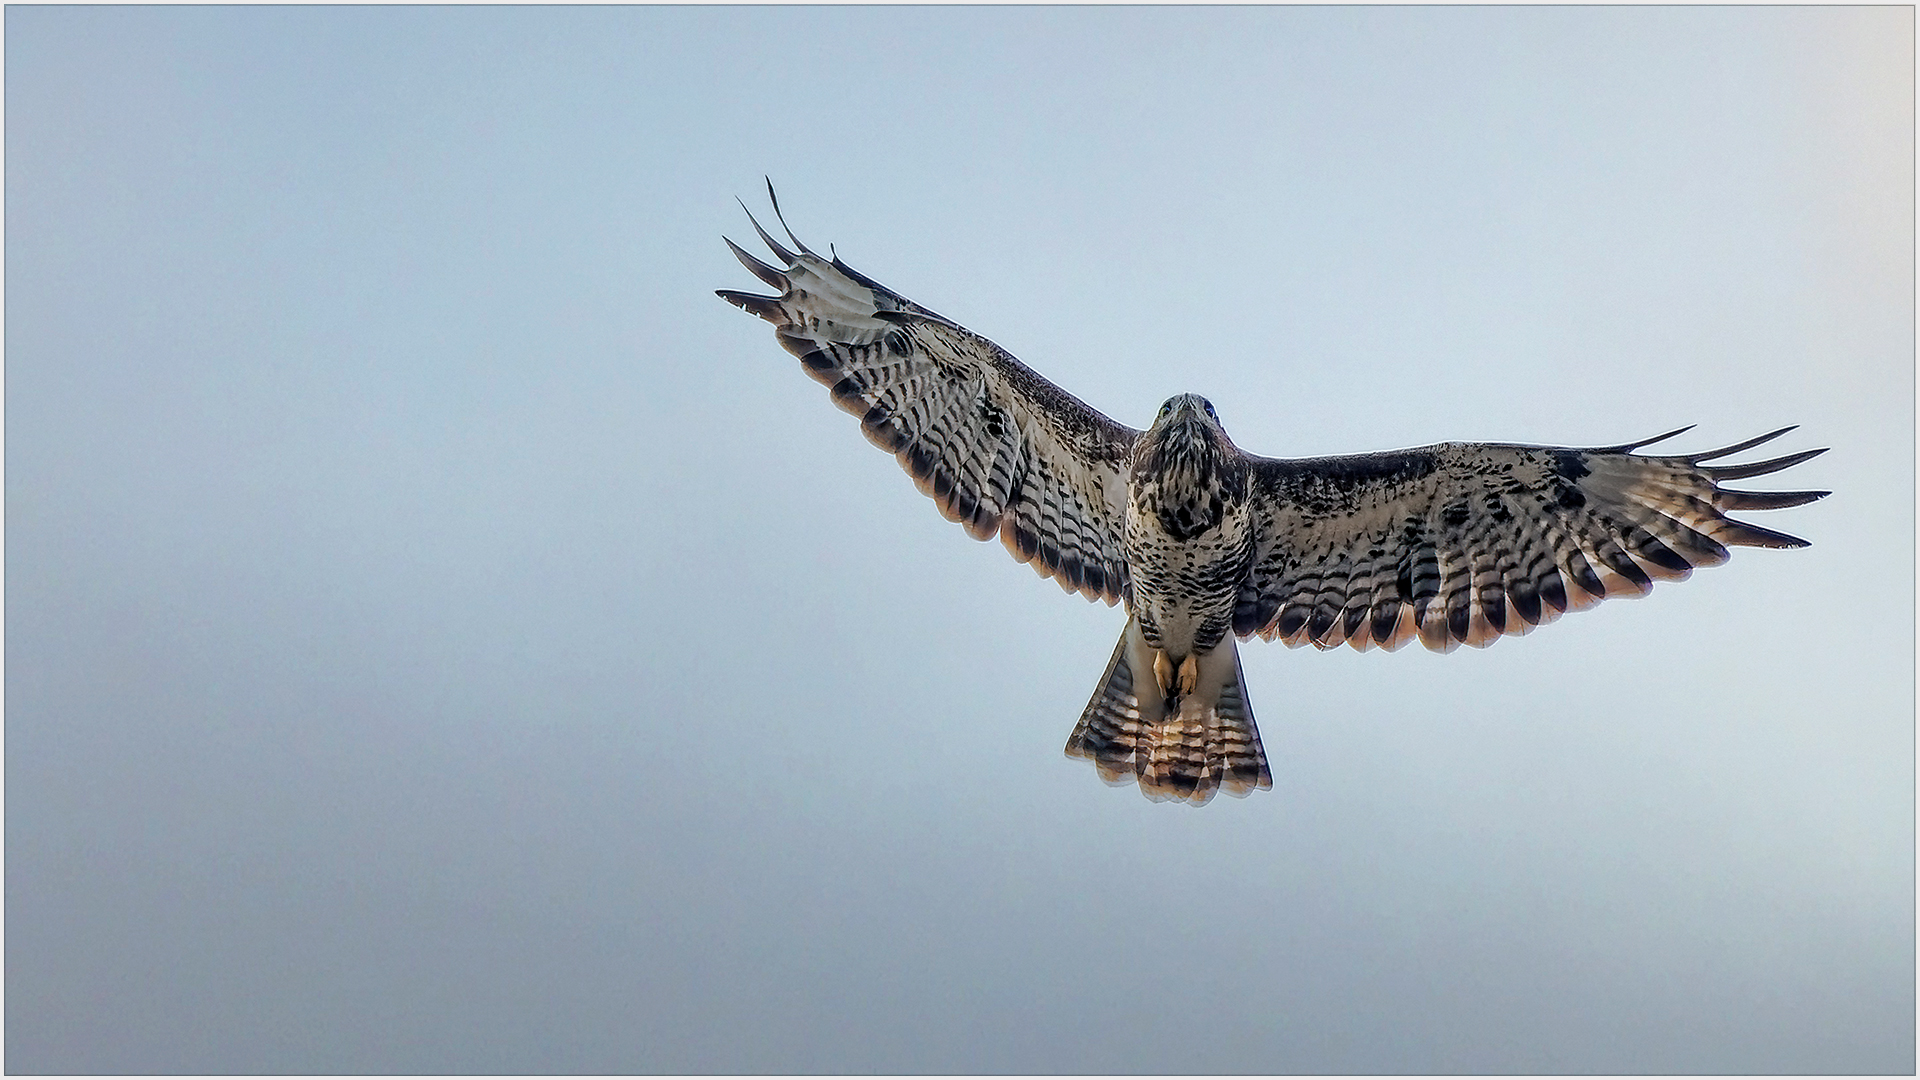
(1175, 682)
(1163, 672)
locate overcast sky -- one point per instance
(441, 636)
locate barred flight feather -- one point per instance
(1498, 538)
(1000, 450)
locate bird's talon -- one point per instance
(1189, 675)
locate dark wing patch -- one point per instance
(1001, 450)
(1465, 542)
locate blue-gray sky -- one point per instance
(443, 636)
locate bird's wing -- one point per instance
(1464, 542)
(998, 448)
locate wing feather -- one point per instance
(1464, 543)
(999, 449)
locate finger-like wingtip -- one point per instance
(1627, 448)
(1747, 534)
(1761, 468)
(766, 238)
(1764, 500)
(1739, 446)
(760, 270)
(775, 199)
(767, 307)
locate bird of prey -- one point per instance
(1204, 543)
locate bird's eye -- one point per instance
(1209, 406)
(1167, 408)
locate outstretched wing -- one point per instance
(1464, 542)
(1000, 449)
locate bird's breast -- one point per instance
(1188, 552)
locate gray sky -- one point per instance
(443, 636)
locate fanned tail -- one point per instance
(1186, 748)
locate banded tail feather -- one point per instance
(1185, 748)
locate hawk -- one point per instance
(1204, 543)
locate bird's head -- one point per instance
(1186, 439)
(1188, 418)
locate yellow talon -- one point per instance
(1189, 674)
(1162, 672)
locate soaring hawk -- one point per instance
(1203, 542)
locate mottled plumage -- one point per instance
(1460, 542)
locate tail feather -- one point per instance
(1112, 722)
(1241, 760)
(1186, 748)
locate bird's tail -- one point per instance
(1185, 747)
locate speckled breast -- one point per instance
(1189, 543)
